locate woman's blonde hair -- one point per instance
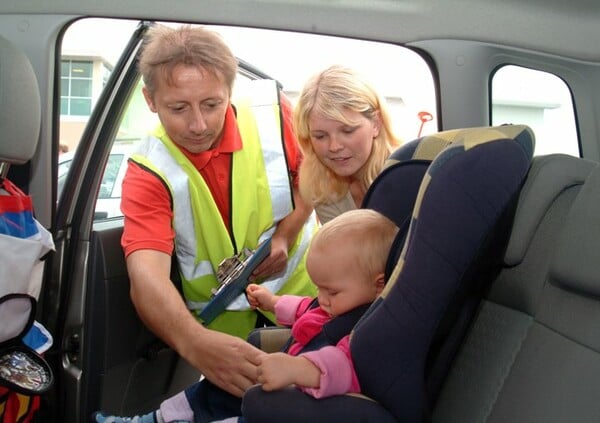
(165, 48)
(330, 93)
(369, 233)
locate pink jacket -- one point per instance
(335, 362)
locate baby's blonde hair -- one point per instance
(368, 233)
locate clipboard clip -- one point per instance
(232, 276)
(231, 268)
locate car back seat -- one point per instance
(533, 351)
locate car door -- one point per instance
(104, 357)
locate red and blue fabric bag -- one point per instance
(24, 242)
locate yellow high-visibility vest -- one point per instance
(261, 196)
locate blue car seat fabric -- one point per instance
(394, 192)
(408, 179)
(465, 191)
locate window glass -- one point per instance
(81, 88)
(81, 69)
(540, 100)
(110, 175)
(80, 106)
(76, 88)
(64, 163)
(411, 97)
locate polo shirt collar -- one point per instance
(231, 141)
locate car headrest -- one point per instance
(20, 107)
(575, 262)
(549, 176)
(466, 190)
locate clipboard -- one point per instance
(233, 277)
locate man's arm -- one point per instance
(225, 360)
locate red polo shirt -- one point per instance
(146, 203)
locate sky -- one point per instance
(292, 58)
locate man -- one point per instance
(211, 180)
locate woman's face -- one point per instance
(343, 148)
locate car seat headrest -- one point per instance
(575, 262)
(549, 178)
(464, 193)
(425, 148)
(20, 109)
(394, 191)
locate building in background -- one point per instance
(82, 78)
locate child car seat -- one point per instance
(466, 190)
(393, 194)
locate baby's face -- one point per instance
(342, 285)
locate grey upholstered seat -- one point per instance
(19, 106)
(533, 353)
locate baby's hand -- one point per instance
(251, 291)
(260, 297)
(278, 370)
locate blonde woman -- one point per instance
(345, 132)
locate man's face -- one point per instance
(192, 107)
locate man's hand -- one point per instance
(227, 361)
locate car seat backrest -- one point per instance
(575, 262)
(547, 195)
(532, 352)
(466, 190)
(20, 109)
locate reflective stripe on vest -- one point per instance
(202, 239)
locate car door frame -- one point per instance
(101, 348)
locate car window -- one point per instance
(64, 163)
(111, 172)
(405, 81)
(540, 100)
